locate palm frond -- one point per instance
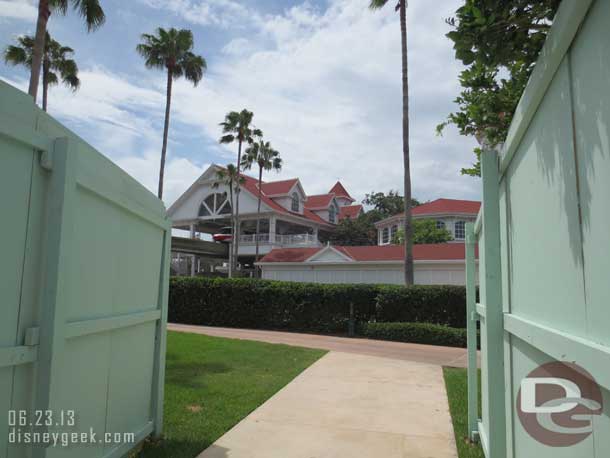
(377, 4)
(91, 11)
(16, 55)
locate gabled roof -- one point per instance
(350, 211)
(277, 188)
(339, 191)
(424, 252)
(448, 206)
(319, 201)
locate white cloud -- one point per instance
(18, 9)
(325, 87)
(180, 173)
(222, 13)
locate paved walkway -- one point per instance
(348, 405)
(442, 356)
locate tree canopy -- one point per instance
(424, 231)
(386, 205)
(499, 41)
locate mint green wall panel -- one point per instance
(590, 66)
(84, 277)
(546, 274)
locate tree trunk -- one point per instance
(45, 84)
(237, 191)
(41, 31)
(408, 228)
(258, 209)
(168, 101)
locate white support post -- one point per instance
(192, 230)
(272, 228)
(193, 260)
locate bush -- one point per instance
(313, 307)
(264, 304)
(421, 333)
(437, 304)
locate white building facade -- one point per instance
(288, 217)
(449, 214)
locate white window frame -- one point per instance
(459, 228)
(295, 203)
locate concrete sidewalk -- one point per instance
(349, 406)
(429, 354)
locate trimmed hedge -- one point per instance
(263, 304)
(421, 333)
(437, 304)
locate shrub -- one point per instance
(314, 307)
(437, 304)
(265, 304)
(421, 333)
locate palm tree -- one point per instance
(401, 7)
(262, 154)
(230, 177)
(236, 127)
(90, 10)
(56, 63)
(172, 50)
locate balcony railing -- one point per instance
(282, 240)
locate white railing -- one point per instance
(282, 240)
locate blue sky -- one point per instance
(322, 77)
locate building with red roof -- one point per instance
(289, 217)
(450, 214)
(441, 263)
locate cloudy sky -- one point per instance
(322, 77)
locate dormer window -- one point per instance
(460, 230)
(295, 202)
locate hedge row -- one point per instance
(265, 304)
(421, 333)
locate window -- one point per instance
(460, 230)
(440, 224)
(332, 214)
(295, 202)
(393, 232)
(385, 236)
(215, 204)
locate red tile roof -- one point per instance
(318, 201)
(448, 206)
(275, 188)
(350, 211)
(251, 185)
(425, 252)
(339, 191)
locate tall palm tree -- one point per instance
(237, 128)
(171, 50)
(90, 10)
(401, 7)
(56, 63)
(262, 154)
(230, 177)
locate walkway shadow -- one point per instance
(193, 375)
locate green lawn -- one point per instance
(456, 381)
(212, 383)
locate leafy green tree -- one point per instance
(90, 10)
(355, 231)
(499, 41)
(231, 178)
(56, 63)
(237, 127)
(424, 231)
(262, 154)
(171, 50)
(387, 205)
(401, 7)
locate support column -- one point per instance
(192, 229)
(272, 222)
(193, 260)
(315, 234)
